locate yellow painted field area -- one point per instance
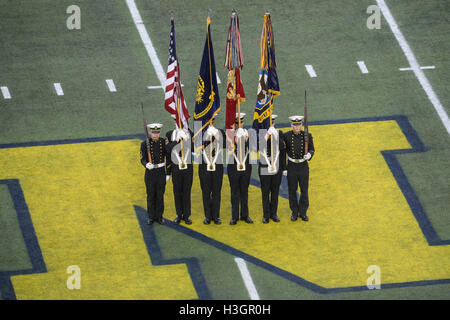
(358, 216)
(81, 197)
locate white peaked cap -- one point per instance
(154, 126)
(296, 118)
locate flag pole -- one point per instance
(210, 121)
(182, 165)
(240, 140)
(233, 15)
(271, 139)
(210, 153)
(267, 13)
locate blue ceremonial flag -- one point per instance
(268, 87)
(207, 102)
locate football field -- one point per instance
(72, 192)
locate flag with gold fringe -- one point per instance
(207, 102)
(234, 63)
(268, 87)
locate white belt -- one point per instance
(159, 165)
(296, 160)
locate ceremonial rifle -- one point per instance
(306, 127)
(147, 141)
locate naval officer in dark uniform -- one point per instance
(155, 172)
(181, 171)
(297, 167)
(239, 172)
(210, 172)
(270, 177)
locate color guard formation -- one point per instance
(173, 157)
(279, 153)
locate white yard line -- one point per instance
(362, 67)
(410, 69)
(248, 281)
(310, 70)
(414, 64)
(428, 67)
(58, 89)
(5, 92)
(158, 87)
(147, 42)
(111, 85)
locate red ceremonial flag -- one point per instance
(235, 93)
(233, 62)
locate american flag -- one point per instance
(174, 94)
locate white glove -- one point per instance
(307, 156)
(181, 134)
(174, 135)
(167, 178)
(245, 133)
(211, 131)
(177, 134)
(186, 135)
(272, 131)
(240, 133)
(149, 166)
(285, 173)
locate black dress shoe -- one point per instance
(206, 221)
(294, 217)
(248, 220)
(177, 220)
(265, 220)
(217, 221)
(233, 221)
(276, 219)
(188, 221)
(304, 218)
(161, 221)
(149, 221)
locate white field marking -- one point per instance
(218, 79)
(310, 70)
(5, 92)
(159, 87)
(111, 85)
(247, 278)
(362, 67)
(409, 69)
(414, 65)
(428, 67)
(58, 89)
(147, 42)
